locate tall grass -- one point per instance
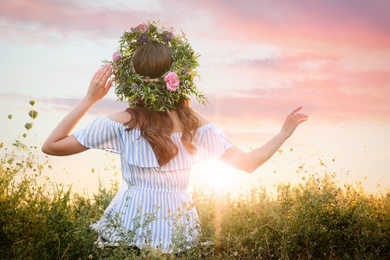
(316, 219)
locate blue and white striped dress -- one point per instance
(152, 207)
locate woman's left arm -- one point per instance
(60, 142)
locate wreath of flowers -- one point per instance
(159, 94)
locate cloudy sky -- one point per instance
(259, 60)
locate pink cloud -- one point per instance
(296, 24)
(322, 83)
(327, 90)
(296, 64)
(45, 21)
(327, 101)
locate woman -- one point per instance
(158, 137)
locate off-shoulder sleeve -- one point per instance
(102, 133)
(211, 142)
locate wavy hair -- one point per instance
(157, 127)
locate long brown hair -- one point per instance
(153, 60)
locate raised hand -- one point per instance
(60, 141)
(100, 83)
(292, 121)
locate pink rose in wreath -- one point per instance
(142, 27)
(172, 81)
(116, 56)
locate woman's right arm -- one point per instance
(60, 142)
(250, 161)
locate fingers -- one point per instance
(300, 116)
(296, 118)
(108, 85)
(302, 119)
(107, 71)
(292, 121)
(295, 110)
(98, 73)
(103, 73)
(100, 83)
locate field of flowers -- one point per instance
(315, 219)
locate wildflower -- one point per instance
(168, 36)
(143, 39)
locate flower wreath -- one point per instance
(159, 94)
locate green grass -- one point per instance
(315, 219)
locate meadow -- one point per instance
(315, 219)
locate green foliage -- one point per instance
(316, 219)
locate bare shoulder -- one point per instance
(120, 117)
(202, 118)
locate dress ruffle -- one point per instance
(106, 134)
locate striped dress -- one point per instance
(152, 207)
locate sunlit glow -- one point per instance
(220, 178)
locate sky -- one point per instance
(258, 61)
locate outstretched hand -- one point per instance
(292, 121)
(100, 83)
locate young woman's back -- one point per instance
(153, 201)
(159, 138)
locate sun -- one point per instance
(219, 178)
